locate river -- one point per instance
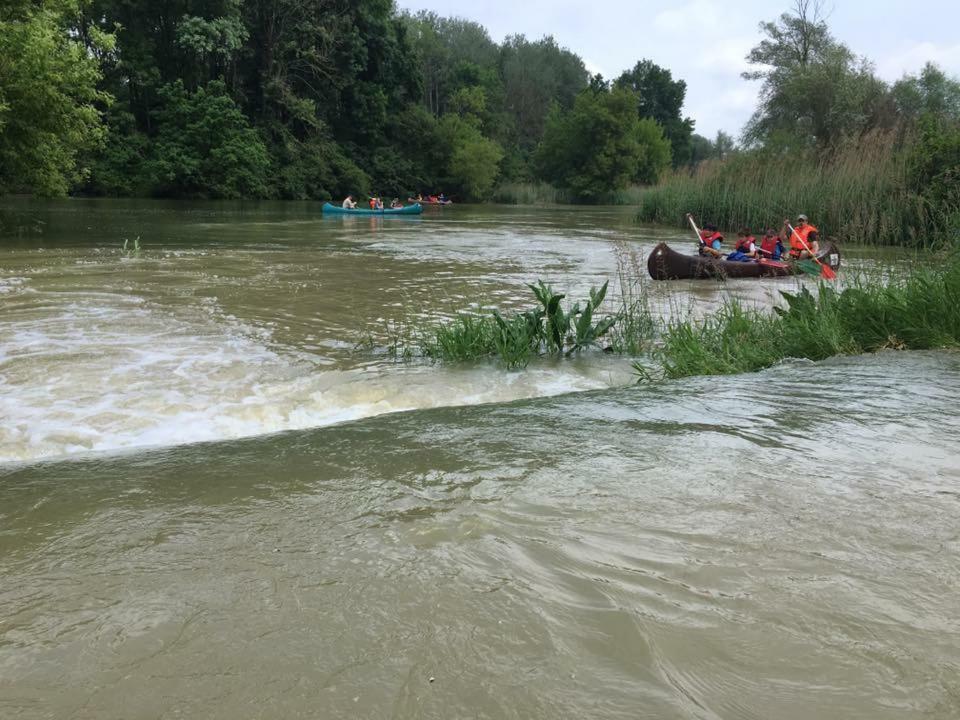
(220, 497)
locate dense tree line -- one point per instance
(313, 99)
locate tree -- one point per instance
(205, 146)
(930, 92)
(535, 76)
(815, 91)
(474, 161)
(50, 106)
(601, 145)
(661, 97)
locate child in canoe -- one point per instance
(711, 241)
(771, 246)
(746, 247)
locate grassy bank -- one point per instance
(917, 312)
(863, 193)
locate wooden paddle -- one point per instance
(826, 271)
(699, 236)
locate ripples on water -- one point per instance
(781, 545)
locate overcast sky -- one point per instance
(704, 41)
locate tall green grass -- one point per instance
(861, 193)
(918, 311)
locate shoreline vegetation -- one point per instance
(125, 98)
(916, 309)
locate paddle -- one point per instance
(697, 231)
(826, 271)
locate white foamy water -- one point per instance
(99, 371)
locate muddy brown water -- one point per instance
(212, 504)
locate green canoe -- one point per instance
(414, 209)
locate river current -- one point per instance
(220, 497)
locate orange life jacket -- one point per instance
(795, 245)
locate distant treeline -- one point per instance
(315, 99)
(867, 161)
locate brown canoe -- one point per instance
(667, 264)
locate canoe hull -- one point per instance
(329, 209)
(430, 202)
(664, 263)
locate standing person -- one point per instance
(804, 240)
(711, 242)
(771, 246)
(349, 203)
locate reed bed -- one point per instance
(861, 193)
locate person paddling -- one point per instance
(711, 242)
(349, 203)
(804, 240)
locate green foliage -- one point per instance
(934, 168)
(930, 93)
(205, 147)
(815, 91)
(474, 160)
(863, 193)
(49, 100)
(520, 337)
(117, 169)
(660, 98)
(920, 310)
(653, 154)
(600, 146)
(537, 75)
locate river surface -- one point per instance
(221, 497)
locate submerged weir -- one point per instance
(365, 538)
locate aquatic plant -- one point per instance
(131, 251)
(917, 311)
(634, 330)
(516, 339)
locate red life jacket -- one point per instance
(707, 237)
(796, 247)
(743, 244)
(769, 244)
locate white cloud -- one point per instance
(911, 59)
(692, 19)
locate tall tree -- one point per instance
(535, 76)
(815, 91)
(600, 146)
(660, 97)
